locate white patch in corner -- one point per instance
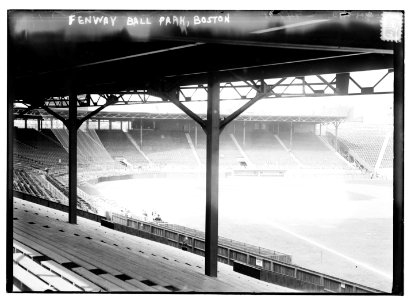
(391, 26)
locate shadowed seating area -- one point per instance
(94, 258)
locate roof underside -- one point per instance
(131, 116)
(49, 57)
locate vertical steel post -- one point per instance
(213, 137)
(291, 135)
(398, 213)
(72, 129)
(9, 205)
(342, 83)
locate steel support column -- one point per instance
(213, 137)
(72, 129)
(398, 209)
(291, 135)
(342, 83)
(9, 203)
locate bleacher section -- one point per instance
(230, 157)
(366, 142)
(89, 257)
(30, 184)
(166, 148)
(42, 150)
(264, 151)
(388, 158)
(118, 146)
(312, 153)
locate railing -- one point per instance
(299, 278)
(227, 250)
(264, 268)
(271, 266)
(58, 206)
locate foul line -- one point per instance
(366, 266)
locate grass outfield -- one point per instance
(336, 226)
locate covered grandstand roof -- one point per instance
(296, 110)
(130, 50)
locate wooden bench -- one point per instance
(26, 281)
(19, 247)
(68, 275)
(32, 242)
(43, 274)
(120, 283)
(140, 285)
(70, 242)
(98, 280)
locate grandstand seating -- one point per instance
(118, 146)
(40, 147)
(388, 158)
(113, 261)
(312, 153)
(366, 141)
(29, 183)
(229, 154)
(264, 150)
(166, 148)
(43, 152)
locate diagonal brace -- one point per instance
(239, 111)
(327, 83)
(96, 111)
(56, 115)
(190, 113)
(266, 91)
(85, 118)
(181, 106)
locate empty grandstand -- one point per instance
(202, 172)
(370, 145)
(272, 148)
